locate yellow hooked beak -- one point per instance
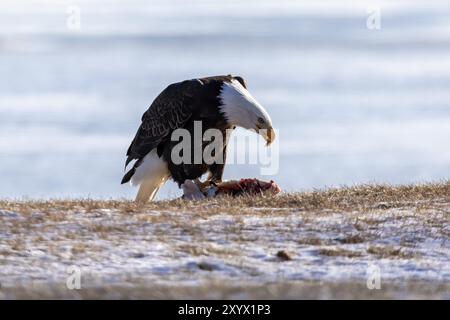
(268, 135)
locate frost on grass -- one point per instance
(303, 245)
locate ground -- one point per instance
(334, 243)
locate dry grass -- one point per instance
(338, 199)
(220, 290)
(339, 253)
(340, 226)
(388, 251)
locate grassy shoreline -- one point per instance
(344, 198)
(316, 244)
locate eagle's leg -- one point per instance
(214, 177)
(215, 173)
(216, 169)
(202, 185)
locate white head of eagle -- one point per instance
(220, 102)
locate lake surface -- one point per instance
(352, 104)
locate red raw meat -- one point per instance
(247, 186)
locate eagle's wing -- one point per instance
(169, 111)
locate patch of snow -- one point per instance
(181, 248)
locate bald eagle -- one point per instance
(219, 102)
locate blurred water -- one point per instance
(353, 105)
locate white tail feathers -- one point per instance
(150, 176)
(147, 191)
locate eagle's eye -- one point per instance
(260, 120)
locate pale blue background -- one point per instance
(352, 105)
